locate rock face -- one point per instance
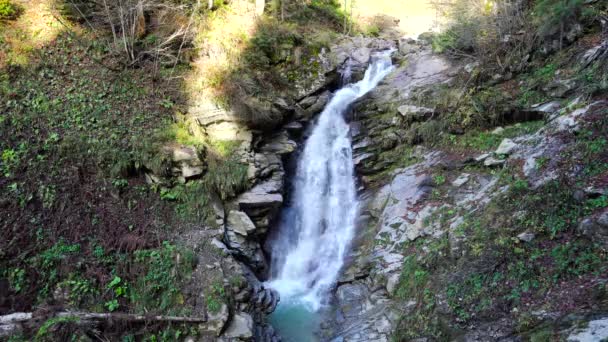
(596, 330)
(409, 204)
(394, 212)
(178, 161)
(596, 228)
(506, 147)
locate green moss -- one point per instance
(225, 148)
(481, 140)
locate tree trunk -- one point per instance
(259, 7)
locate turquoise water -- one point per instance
(294, 322)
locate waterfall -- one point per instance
(317, 228)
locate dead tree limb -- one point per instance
(12, 323)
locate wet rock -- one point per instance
(265, 300)
(265, 333)
(319, 105)
(383, 325)
(365, 142)
(294, 127)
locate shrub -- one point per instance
(272, 37)
(9, 10)
(552, 16)
(487, 30)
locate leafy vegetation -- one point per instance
(9, 10)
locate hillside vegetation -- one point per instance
(89, 96)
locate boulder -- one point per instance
(240, 223)
(506, 147)
(407, 46)
(351, 298)
(361, 55)
(498, 131)
(180, 161)
(461, 180)
(482, 157)
(216, 321)
(265, 194)
(240, 327)
(265, 164)
(596, 228)
(596, 330)
(392, 283)
(308, 101)
(526, 236)
(491, 161)
(262, 201)
(547, 108)
(279, 144)
(415, 113)
(561, 88)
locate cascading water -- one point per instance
(318, 227)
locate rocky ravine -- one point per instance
(401, 204)
(231, 251)
(399, 192)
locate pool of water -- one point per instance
(295, 322)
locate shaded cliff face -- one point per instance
(474, 233)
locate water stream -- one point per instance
(318, 226)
